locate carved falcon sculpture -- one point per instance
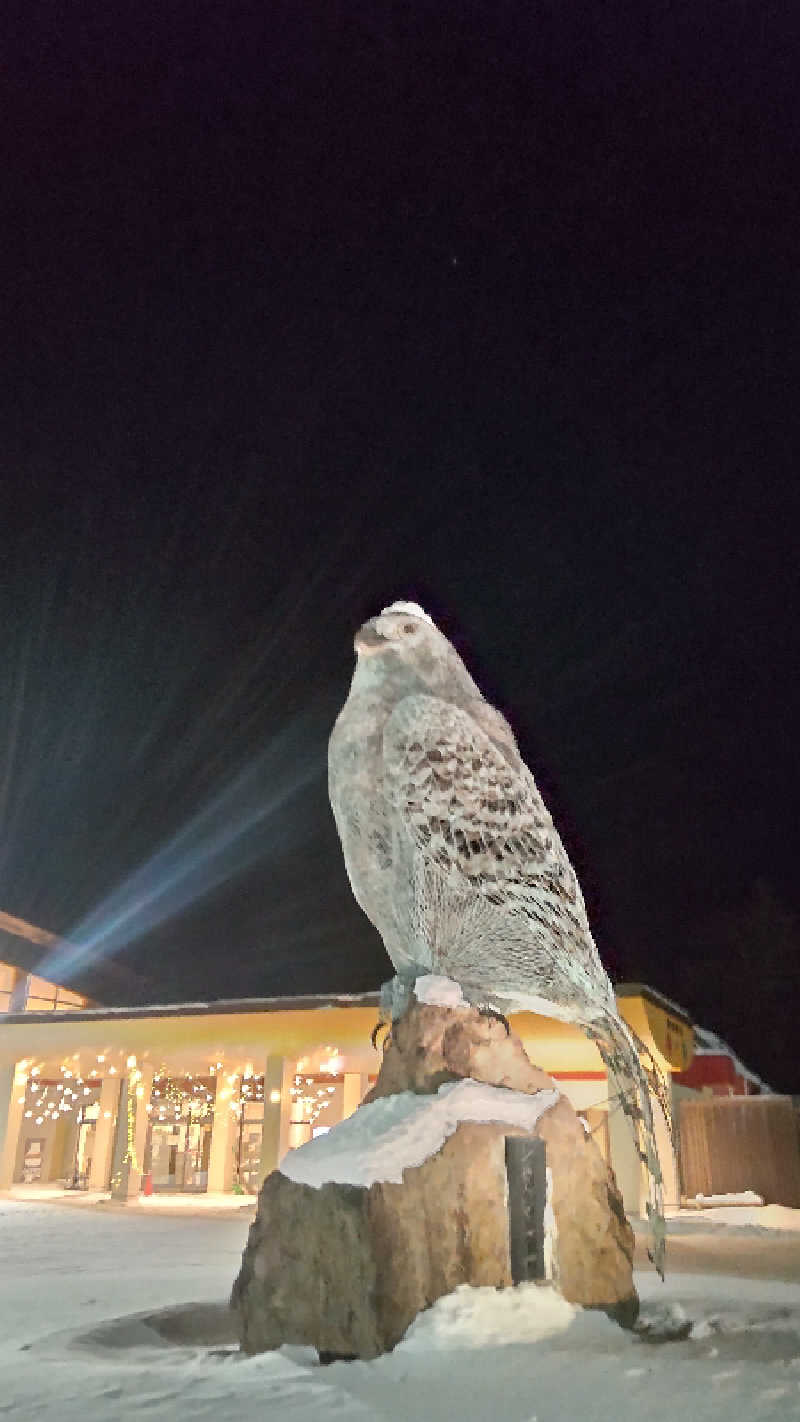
(454, 858)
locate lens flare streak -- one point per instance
(245, 822)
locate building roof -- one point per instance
(710, 1045)
(27, 947)
(643, 990)
(230, 1006)
(298, 1003)
(18, 928)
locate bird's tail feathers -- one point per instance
(637, 1074)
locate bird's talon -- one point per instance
(379, 1026)
(497, 1016)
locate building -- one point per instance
(211, 1096)
(22, 990)
(716, 1070)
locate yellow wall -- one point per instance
(670, 1040)
(235, 1037)
(187, 1040)
(671, 1043)
(280, 1042)
(555, 1046)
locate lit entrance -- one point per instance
(84, 1145)
(248, 1152)
(178, 1144)
(177, 1155)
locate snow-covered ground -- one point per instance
(68, 1270)
(163, 1200)
(753, 1217)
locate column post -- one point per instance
(278, 1080)
(13, 1083)
(19, 993)
(625, 1162)
(224, 1130)
(126, 1181)
(355, 1086)
(100, 1173)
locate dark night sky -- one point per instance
(308, 307)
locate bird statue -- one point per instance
(454, 858)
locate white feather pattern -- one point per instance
(453, 855)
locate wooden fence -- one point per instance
(735, 1143)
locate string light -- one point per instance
(310, 1104)
(54, 1100)
(192, 1099)
(129, 1157)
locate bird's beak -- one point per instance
(368, 641)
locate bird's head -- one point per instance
(404, 646)
(402, 628)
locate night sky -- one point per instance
(308, 307)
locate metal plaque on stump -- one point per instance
(527, 1195)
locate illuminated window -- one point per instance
(30, 993)
(8, 978)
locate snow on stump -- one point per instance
(407, 1199)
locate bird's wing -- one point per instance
(477, 818)
(494, 723)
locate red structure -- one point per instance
(716, 1069)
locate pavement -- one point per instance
(720, 1249)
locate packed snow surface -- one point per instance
(162, 1200)
(386, 1137)
(525, 1355)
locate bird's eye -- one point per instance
(409, 626)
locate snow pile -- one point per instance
(744, 1197)
(485, 1317)
(412, 608)
(777, 1217)
(388, 1136)
(439, 992)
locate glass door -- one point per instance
(179, 1153)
